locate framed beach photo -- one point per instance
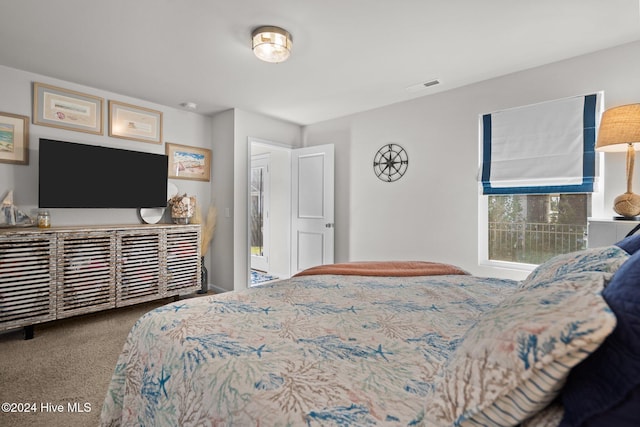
(14, 139)
(66, 109)
(188, 162)
(136, 123)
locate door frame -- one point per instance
(258, 142)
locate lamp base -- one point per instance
(627, 205)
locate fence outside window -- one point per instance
(534, 243)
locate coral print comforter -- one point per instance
(313, 350)
(352, 350)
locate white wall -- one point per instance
(222, 164)
(232, 131)
(432, 212)
(179, 126)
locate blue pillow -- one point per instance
(630, 244)
(626, 413)
(597, 387)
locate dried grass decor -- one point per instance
(207, 229)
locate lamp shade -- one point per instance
(271, 44)
(620, 131)
(619, 127)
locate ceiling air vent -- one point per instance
(424, 85)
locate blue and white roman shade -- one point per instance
(541, 148)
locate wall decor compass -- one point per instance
(390, 163)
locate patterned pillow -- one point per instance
(515, 359)
(606, 259)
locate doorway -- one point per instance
(290, 209)
(269, 211)
(259, 212)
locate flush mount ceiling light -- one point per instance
(271, 44)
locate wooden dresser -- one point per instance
(49, 274)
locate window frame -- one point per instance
(483, 240)
(597, 210)
(597, 200)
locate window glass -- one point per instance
(533, 228)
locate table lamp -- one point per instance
(620, 131)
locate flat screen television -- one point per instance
(73, 175)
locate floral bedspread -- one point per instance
(312, 350)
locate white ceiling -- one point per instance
(348, 55)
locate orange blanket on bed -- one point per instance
(384, 268)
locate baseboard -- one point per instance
(217, 289)
(281, 276)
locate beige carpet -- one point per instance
(69, 362)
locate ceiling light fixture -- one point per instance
(271, 44)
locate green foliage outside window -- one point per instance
(533, 228)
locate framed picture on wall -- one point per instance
(187, 162)
(14, 139)
(136, 123)
(66, 109)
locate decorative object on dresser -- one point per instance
(182, 208)
(11, 216)
(14, 139)
(620, 131)
(49, 274)
(44, 219)
(66, 109)
(151, 215)
(207, 230)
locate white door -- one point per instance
(312, 185)
(259, 212)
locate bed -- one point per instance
(385, 344)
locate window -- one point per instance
(530, 229)
(538, 172)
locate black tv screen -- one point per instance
(75, 175)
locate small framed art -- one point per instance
(14, 139)
(187, 162)
(66, 109)
(136, 123)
